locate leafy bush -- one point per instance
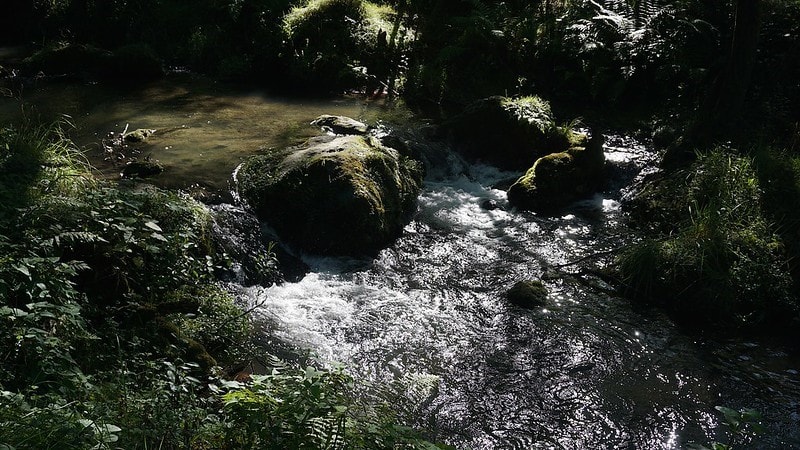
(722, 264)
(85, 273)
(311, 409)
(322, 39)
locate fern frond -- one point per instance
(70, 238)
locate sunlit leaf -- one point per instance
(153, 226)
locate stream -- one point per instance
(589, 370)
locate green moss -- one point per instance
(138, 135)
(317, 12)
(326, 39)
(560, 178)
(142, 169)
(510, 133)
(527, 294)
(379, 17)
(345, 195)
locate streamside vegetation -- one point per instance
(716, 259)
(116, 333)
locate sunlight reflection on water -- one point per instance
(584, 371)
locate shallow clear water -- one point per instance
(204, 129)
(586, 371)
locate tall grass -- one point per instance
(723, 264)
(38, 159)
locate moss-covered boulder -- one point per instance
(345, 195)
(527, 294)
(324, 43)
(132, 62)
(560, 178)
(510, 133)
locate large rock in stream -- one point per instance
(509, 133)
(560, 178)
(342, 195)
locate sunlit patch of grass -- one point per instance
(38, 159)
(379, 17)
(319, 10)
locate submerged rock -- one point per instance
(527, 294)
(142, 169)
(488, 204)
(346, 195)
(340, 125)
(509, 133)
(560, 178)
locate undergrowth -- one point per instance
(717, 261)
(115, 332)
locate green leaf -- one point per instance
(24, 270)
(153, 226)
(159, 237)
(750, 415)
(13, 313)
(732, 417)
(109, 428)
(311, 372)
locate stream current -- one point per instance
(589, 370)
(586, 371)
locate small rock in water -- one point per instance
(527, 294)
(139, 135)
(489, 204)
(340, 125)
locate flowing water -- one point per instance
(588, 370)
(585, 371)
